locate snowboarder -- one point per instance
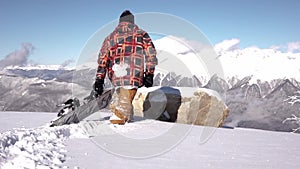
(128, 56)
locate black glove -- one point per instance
(98, 87)
(91, 97)
(148, 80)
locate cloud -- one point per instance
(18, 57)
(276, 47)
(293, 47)
(67, 62)
(227, 45)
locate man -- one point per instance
(128, 56)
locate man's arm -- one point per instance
(150, 54)
(150, 59)
(103, 60)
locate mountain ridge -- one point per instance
(248, 106)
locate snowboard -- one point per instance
(76, 115)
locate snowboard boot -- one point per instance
(121, 106)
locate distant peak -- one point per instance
(38, 67)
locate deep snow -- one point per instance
(70, 146)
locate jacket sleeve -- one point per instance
(103, 60)
(150, 54)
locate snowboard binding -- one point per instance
(68, 106)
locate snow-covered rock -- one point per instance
(197, 106)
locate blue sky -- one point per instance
(58, 29)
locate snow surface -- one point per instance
(174, 51)
(10, 120)
(71, 146)
(264, 64)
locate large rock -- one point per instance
(197, 106)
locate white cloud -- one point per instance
(276, 47)
(293, 47)
(67, 62)
(227, 45)
(18, 57)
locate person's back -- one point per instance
(125, 47)
(123, 56)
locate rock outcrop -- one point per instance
(186, 105)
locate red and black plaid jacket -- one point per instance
(123, 56)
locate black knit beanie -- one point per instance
(126, 16)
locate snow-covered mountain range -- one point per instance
(255, 83)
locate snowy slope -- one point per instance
(201, 147)
(264, 64)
